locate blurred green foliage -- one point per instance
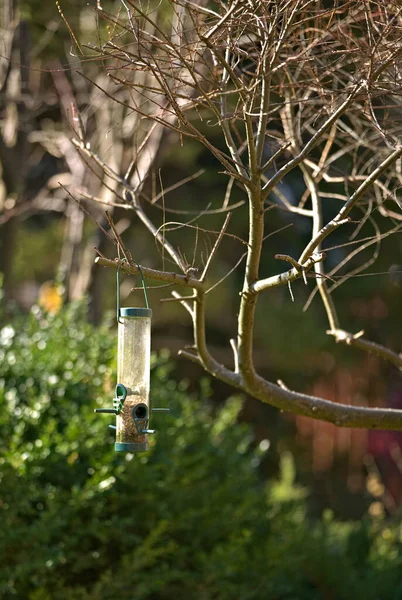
(189, 519)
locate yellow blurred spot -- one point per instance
(374, 485)
(72, 458)
(376, 509)
(50, 298)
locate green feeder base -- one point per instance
(129, 447)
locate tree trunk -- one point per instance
(14, 147)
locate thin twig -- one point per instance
(184, 302)
(215, 246)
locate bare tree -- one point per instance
(293, 87)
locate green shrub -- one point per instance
(188, 520)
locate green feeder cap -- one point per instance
(135, 312)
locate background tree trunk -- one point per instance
(14, 147)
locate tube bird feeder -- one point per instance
(131, 403)
(133, 368)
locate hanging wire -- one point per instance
(144, 287)
(118, 293)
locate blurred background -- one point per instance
(54, 296)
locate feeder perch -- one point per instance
(131, 403)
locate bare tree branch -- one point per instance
(165, 276)
(356, 340)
